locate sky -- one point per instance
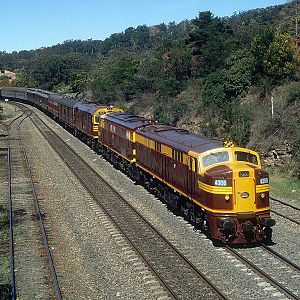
(32, 24)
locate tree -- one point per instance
(49, 71)
(214, 90)
(177, 61)
(116, 77)
(240, 66)
(79, 80)
(275, 55)
(211, 41)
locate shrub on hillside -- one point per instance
(178, 110)
(293, 92)
(161, 115)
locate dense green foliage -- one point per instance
(275, 55)
(212, 75)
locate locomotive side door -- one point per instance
(192, 164)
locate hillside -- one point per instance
(209, 75)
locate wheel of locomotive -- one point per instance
(94, 145)
(157, 189)
(184, 209)
(268, 235)
(160, 191)
(174, 201)
(192, 212)
(166, 195)
(136, 175)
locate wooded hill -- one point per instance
(215, 76)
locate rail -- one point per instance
(11, 233)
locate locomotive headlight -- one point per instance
(264, 180)
(244, 195)
(220, 182)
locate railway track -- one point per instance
(278, 272)
(285, 210)
(24, 245)
(270, 268)
(175, 273)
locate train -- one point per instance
(217, 186)
(79, 116)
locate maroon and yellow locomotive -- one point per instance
(222, 189)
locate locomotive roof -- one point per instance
(89, 107)
(15, 89)
(64, 100)
(179, 139)
(127, 120)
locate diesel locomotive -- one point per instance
(219, 187)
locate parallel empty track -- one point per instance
(285, 210)
(29, 275)
(278, 271)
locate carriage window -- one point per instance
(215, 158)
(244, 156)
(97, 119)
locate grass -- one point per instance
(283, 186)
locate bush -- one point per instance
(214, 91)
(161, 115)
(178, 109)
(293, 92)
(239, 130)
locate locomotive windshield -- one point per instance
(245, 156)
(215, 158)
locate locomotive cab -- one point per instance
(236, 191)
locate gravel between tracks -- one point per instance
(238, 281)
(286, 238)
